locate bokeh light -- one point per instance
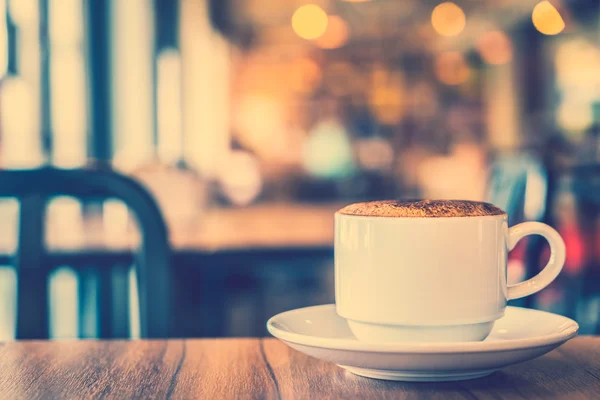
(240, 177)
(341, 79)
(386, 98)
(448, 19)
(422, 100)
(451, 68)
(574, 114)
(309, 21)
(336, 34)
(577, 64)
(495, 48)
(547, 19)
(375, 153)
(327, 151)
(260, 123)
(387, 104)
(304, 74)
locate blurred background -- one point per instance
(250, 122)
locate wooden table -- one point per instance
(262, 369)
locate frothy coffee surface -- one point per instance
(422, 209)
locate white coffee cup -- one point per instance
(430, 279)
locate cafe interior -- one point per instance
(172, 167)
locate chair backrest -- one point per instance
(33, 188)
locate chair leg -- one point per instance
(88, 319)
(32, 305)
(105, 303)
(120, 301)
(32, 273)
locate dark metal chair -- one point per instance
(33, 263)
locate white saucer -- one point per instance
(521, 335)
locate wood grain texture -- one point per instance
(262, 369)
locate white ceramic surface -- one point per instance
(430, 278)
(520, 335)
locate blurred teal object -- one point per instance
(519, 185)
(328, 151)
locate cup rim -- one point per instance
(504, 215)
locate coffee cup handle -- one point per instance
(550, 271)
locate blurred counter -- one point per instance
(262, 226)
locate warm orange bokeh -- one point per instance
(547, 19)
(495, 48)
(336, 34)
(309, 21)
(448, 19)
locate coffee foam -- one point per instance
(422, 209)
